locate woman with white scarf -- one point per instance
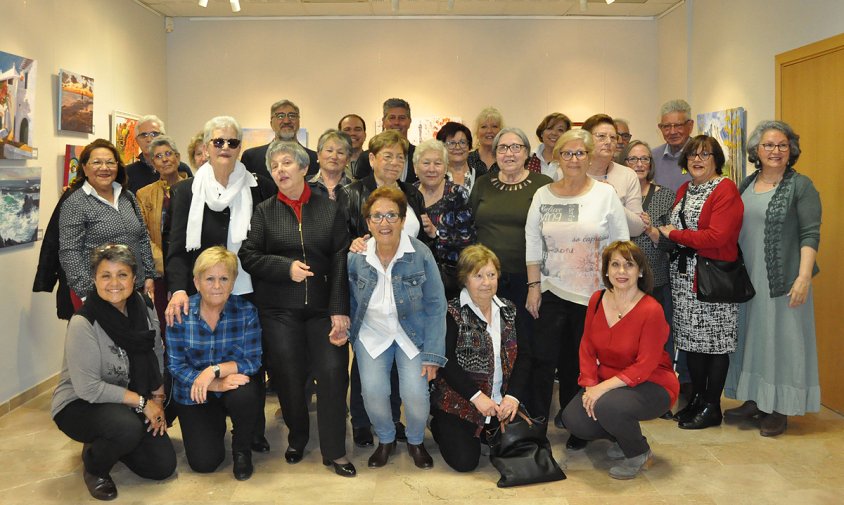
(213, 208)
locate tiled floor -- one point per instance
(728, 465)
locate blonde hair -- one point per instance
(214, 256)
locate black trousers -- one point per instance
(619, 412)
(115, 433)
(204, 425)
(556, 346)
(298, 345)
(459, 446)
(357, 410)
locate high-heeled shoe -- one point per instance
(709, 416)
(341, 469)
(693, 407)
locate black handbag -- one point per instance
(723, 281)
(521, 453)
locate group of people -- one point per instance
(466, 282)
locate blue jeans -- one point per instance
(375, 386)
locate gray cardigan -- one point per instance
(793, 220)
(94, 368)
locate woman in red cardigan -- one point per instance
(624, 367)
(706, 219)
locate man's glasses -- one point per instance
(281, 116)
(391, 217)
(219, 143)
(667, 127)
(149, 135)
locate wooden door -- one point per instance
(810, 97)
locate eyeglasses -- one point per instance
(780, 147)
(513, 148)
(391, 217)
(102, 163)
(667, 127)
(603, 137)
(147, 135)
(451, 144)
(568, 155)
(633, 160)
(219, 143)
(281, 116)
(703, 155)
(625, 136)
(390, 158)
(165, 154)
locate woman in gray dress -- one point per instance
(775, 367)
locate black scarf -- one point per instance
(132, 334)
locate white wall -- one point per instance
(122, 46)
(527, 68)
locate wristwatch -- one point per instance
(216, 369)
(142, 402)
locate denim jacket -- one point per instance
(419, 295)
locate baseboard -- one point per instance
(31, 393)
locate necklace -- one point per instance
(622, 311)
(774, 183)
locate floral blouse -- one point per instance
(455, 224)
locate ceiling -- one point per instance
(370, 8)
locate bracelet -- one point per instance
(534, 283)
(142, 402)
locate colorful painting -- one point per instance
(422, 129)
(17, 107)
(76, 102)
(71, 164)
(730, 128)
(20, 200)
(123, 135)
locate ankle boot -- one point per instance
(747, 410)
(691, 409)
(630, 467)
(710, 415)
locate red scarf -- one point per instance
(296, 205)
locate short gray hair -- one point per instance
(150, 118)
(392, 103)
(282, 103)
(677, 105)
(781, 126)
(621, 120)
(289, 147)
(430, 145)
(218, 123)
(163, 140)
(116, 253)
(332, 134)
(630, 146)
(517, 131)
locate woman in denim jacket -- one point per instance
(405, 324)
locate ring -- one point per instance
(158, 419)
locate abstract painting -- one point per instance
(71, 164)
(17, 104)
(20, 200)
(123, 135)
(76, 102)
(729, 127)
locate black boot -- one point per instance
(693, 407)
(710, 415)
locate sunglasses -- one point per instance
(219, 143)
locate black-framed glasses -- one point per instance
(568, 155)
(780, 147)
(219, 143)
(391, 217)
(513, 148)
(454, 144)
(165, 154)
(634, 159)
(703, 155)
(149, 135)
(281, 116)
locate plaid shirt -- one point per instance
(192, 346)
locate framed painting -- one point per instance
(254, 137)
(76, 102)
(20, 205)
(17, 107)
(123, 135)
(729, 127)
(71, 164)
(422, 129)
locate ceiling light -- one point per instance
(203, 3)
(235, 5)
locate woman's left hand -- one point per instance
(358, 245)
(428, 226)
(665, 230)
(149, 289)
(799, 292)
(199, 389)
(508, 408)
(154, 413)
(590, 397)
(429, 371)
(339, 333)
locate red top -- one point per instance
(718, 226)
(632, 350)
(296, 205)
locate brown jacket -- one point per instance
(151, 201)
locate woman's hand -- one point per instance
(428, 226)
(590, 397)
(485, 405)
(300, 271)
(646, 219)
(149, 289)
(799, 291)
(429, 372)
(666, 229)
(339, 333)
(229, 382)
(534, 300)
(154, 414)
(653, 234)
(358, 245)
(199, 389)
(508, 409)
(178, 305)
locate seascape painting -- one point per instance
(730, 128)
(17, 104)
(71, 164)
(20, 200)
(123, 135)
(76, 102)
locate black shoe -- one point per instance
(575, 444)
(293, 455)
(401, 436)
(710, 415)
(668, 416)
(747, 410)
(420, 456)
(690, 410)
(101, 488)
(381, 455)
(558, 420)
(362, 436)
(242, 465)
(341, 469)
(260, 444)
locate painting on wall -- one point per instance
(17, 104)
(71, 164)
(20, 200)
(730, 128)
(422, 129)
(76, 102)
(254, 137)
(123, 135)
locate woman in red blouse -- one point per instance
(624, 369)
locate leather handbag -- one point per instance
(521, 453)
(723, 281)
